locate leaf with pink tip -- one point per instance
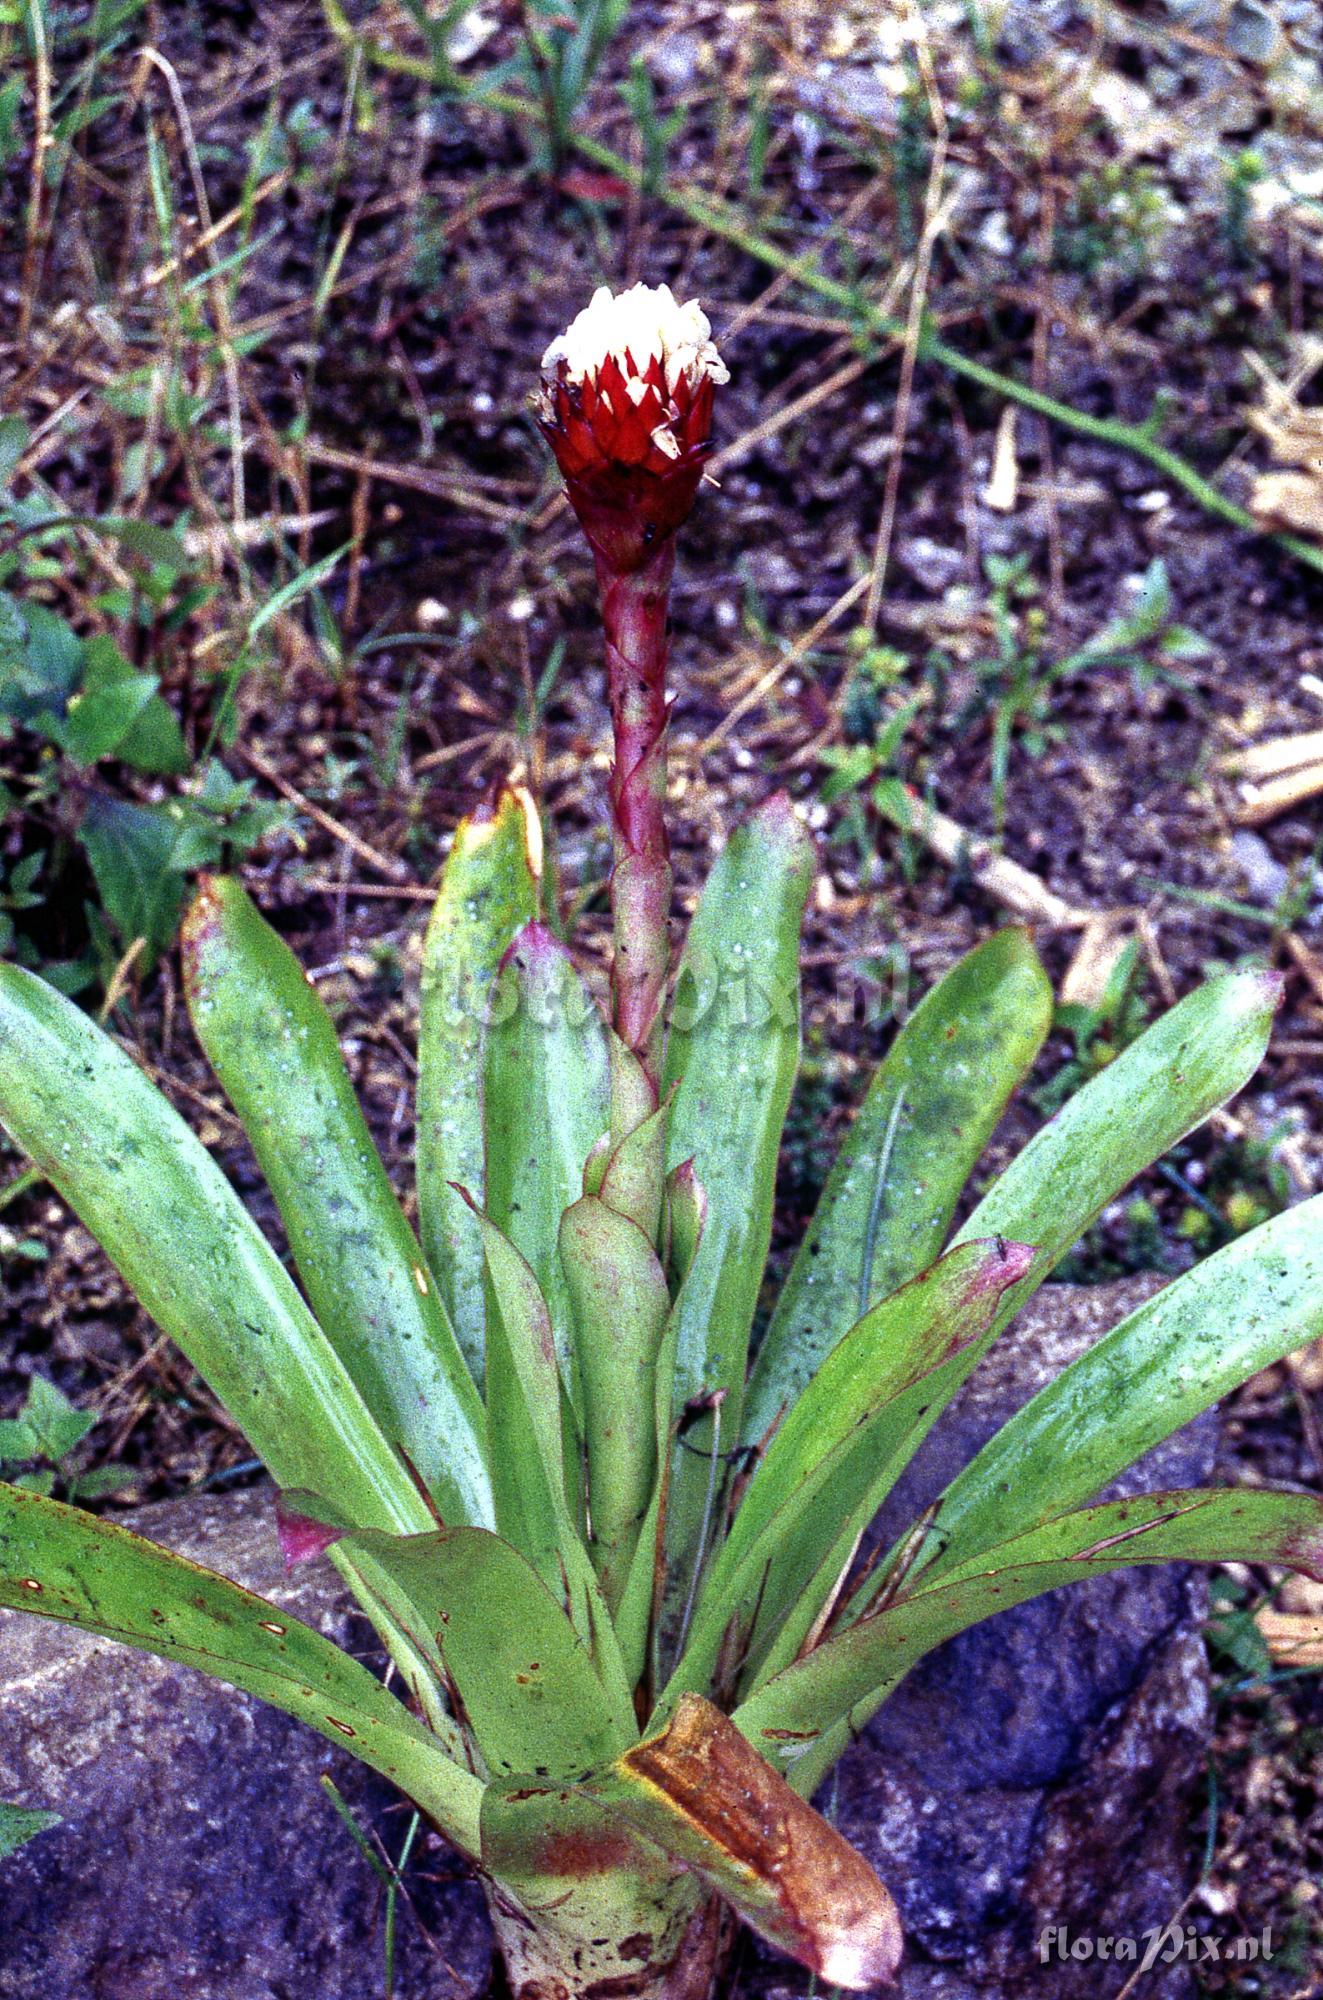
(305, 1529)
(1235, 1313)
(831, 1463)
(64, 1563)
(801, 1718)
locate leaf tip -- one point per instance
(202, 917)
(458, 1187)
(781, 819)
(1006, 1265)
(301, 1538)
(867, 1956)
(534, 949)
(1303, 1551)
(495, 814)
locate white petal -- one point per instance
(638, 326)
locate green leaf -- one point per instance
(98, 720)
(621, 1304)
(298, 586)
(525, 1395)
(159, 547)
(12, 92)
(131, 851)
(19, 1824)
(155, 742)
(41, 658)
(273, 1045)
(1160, 1088)
(685, 1207)
(81, 116)
(535, 1450)
(801, 1718)
(629, 1173)
(488, 892)
(546, 1100)
(165, 1215)
(1183, 1350)
(833, 1459)
(731, 1059)
(702, 1794)
(592, 1893)
(529, 1689)
(930, 1110)
(14, 432)
(71, 1566)
(1165, 1084)
(48, 1426)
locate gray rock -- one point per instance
(198, 1856)
(1043, 1768)
(934, 565)
(1039, 1770)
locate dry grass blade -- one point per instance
(385, 864)
(1294, 1639)
(1017, 889)
(1292, 498)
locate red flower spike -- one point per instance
(626, 406)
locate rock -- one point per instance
(198, 1857)
(1043, 1768)
(1266, 881)
(1039, 1770)
(934, 565)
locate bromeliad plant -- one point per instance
(616, 1571)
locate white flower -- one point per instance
(637, 327)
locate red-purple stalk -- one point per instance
(634, 615)
(626, 406)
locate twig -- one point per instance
(385, 864)
(804, 644)
(997, 875)
(36, 16)
(935, 215)
(409, 892)
(1277, 754)
(203, 242)
(1308, 966)
(438, 484)
(1260, 803)
(740, 447)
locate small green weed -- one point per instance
(41, 1448)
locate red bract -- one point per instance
(630, 424)
(632, 462)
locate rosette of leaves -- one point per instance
(612, 1565)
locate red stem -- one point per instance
(634, 615)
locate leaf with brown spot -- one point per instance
(703, 1794)
(103, 1579)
